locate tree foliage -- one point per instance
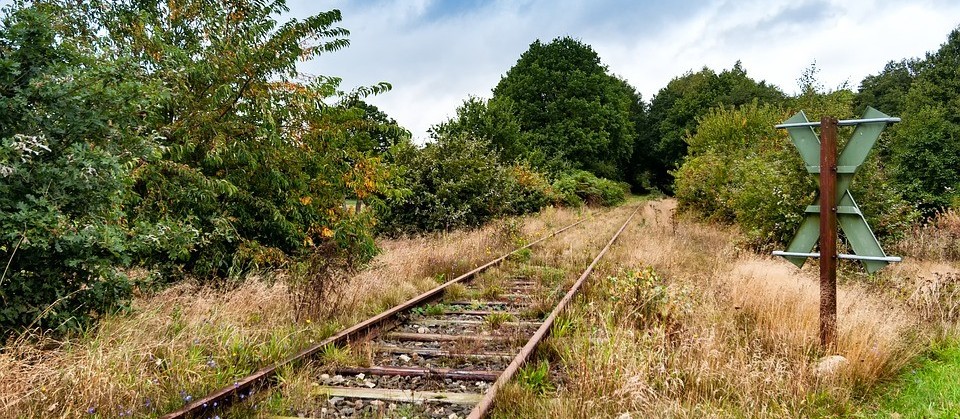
(675, 110)
(580, 187)
(571, 112)
(255, 161)
(177, 135)
(925, 147)
(887, 90)
(68, 138)
(490, 120)
(373, 131)
(458, 181)
(743, 170)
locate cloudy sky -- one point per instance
(438, 52)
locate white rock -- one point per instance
(453, 416)
(369, 384)
(625, 415)
(361, 376)
(404, 358)
(422, 329)
(324, 377)
(829, 365)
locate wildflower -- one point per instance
(91, 410)
(211, 363)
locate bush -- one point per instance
(458, 181)
(67, 138)
(742, 170)
(529, 190)
(579, 187)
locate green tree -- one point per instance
(172, 134)
(674, 111)
(372, 130)
(492, 120)
(572, 113)
(887, 90)
(71, 126)
(816, 99)
(925, 147)
(254, 159)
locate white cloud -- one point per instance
(435, 63)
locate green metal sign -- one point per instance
(849, 217)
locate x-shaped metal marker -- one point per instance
(851, 220)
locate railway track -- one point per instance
(445, 353)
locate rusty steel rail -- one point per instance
(486, 403)
(246, 385)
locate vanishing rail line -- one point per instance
(431, 355)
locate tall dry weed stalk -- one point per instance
(318, 287)
(936, 240)
(937, 298)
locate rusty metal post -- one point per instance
(828, 232)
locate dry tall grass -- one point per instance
(183, 339)
(937, 240)
(720, 333)
(188, 340)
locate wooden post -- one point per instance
(828, 232)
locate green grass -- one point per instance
(536, 378)
(929, 389)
